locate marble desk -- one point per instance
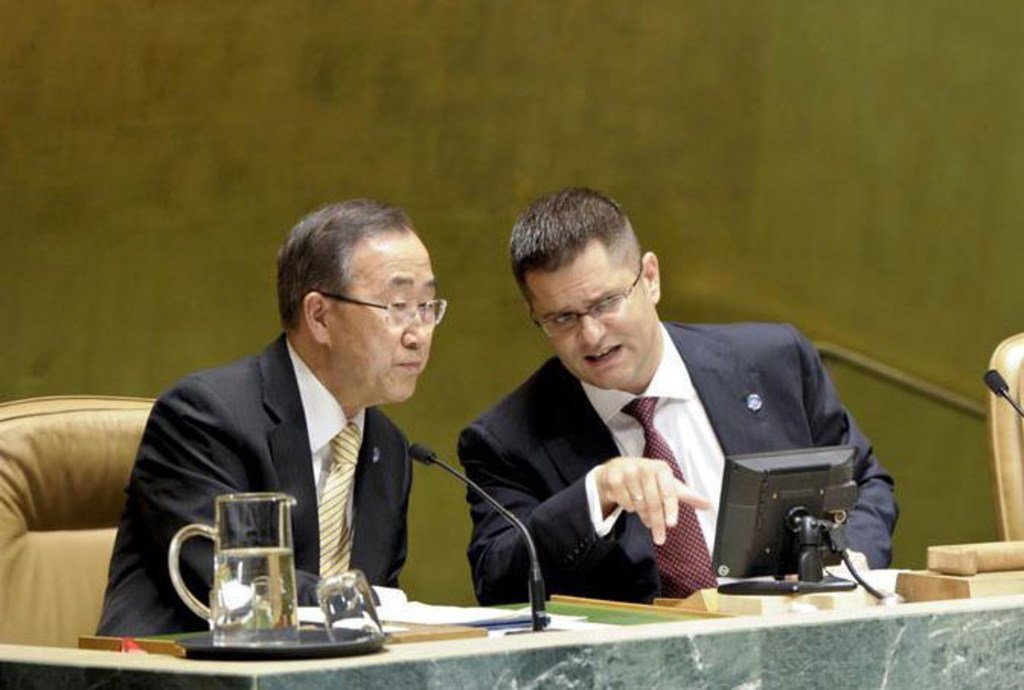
(950, 644)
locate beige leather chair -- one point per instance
(1007, 436)
(64, 464)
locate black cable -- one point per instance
(861, 581)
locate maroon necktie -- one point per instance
(683, 560)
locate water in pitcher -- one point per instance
(255, 601)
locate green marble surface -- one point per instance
(942, 645)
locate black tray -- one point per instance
(312, 644)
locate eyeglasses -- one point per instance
(566, 321)
(402, 314)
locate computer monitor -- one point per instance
(776, 517)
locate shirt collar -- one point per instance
(671, 380)
(324, 415)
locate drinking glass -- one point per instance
(347, 603)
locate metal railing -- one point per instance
(901, 379)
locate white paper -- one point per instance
(557, 622)
(395, 607)
(429, 614)
(390, 597)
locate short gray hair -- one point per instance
(317, 251)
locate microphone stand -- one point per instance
(536, 580)
(997, 384)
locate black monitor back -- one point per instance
(760, 490)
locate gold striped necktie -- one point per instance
(335, 532)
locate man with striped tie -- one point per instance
(357, 301)
(612, 453)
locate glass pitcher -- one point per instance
(253, 599)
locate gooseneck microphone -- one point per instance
(423, 454)
(997, 384)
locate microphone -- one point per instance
(997, 384)
(535, 584)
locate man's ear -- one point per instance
(529, 308)
(524, 292)
(314, 317)
(651, 276)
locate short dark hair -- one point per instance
(556, 228)
(316, 253)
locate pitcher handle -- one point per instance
(173, 564)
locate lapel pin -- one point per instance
(376, 455)
(754, 402)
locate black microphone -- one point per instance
(997, 384)
(423, 454)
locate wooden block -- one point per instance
(412, 632)
(661, 611)
(926, 585)
(969, 559)
(701, 601)
(116, 644)
(711, 601)
(602, 603)
(433, 633)
(755, 605)
(841, 601)
(762, 605)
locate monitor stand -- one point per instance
(814, 536)
(828, 583)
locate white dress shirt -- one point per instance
(324, 419)
(681, 419)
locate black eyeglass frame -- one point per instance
(544, 324)
(439, 311)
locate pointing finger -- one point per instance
(691, 497)
(669, 499)
(654, 513)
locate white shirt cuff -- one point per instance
(602, 525)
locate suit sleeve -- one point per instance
(871, 524)
(191, 452)
(559, 522)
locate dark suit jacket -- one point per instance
(533, 449)
(234, 429)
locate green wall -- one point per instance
(849, 167)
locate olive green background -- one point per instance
(853, 168)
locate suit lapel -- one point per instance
(724, 382)
(577, 440)
(289, 448)
(370, 516)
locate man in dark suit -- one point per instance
(356, 296)
(612, 452)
